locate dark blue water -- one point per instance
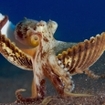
(77, 19)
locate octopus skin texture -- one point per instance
(39, 55)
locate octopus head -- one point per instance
(23, 33)
(31, 33)
(47, 30)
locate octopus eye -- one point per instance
(32, 39)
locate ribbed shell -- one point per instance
(14, 54)
(84, 54)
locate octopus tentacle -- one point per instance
(22, 100)
(63, 78)
(54, 79)
(70, 58)
(40, 93)
(29, 101)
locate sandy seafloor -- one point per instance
(12, 78)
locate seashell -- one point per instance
(84, 54)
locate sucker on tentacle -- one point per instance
(44, 62)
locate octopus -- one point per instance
(37, 50)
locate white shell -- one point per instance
(8, 28)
